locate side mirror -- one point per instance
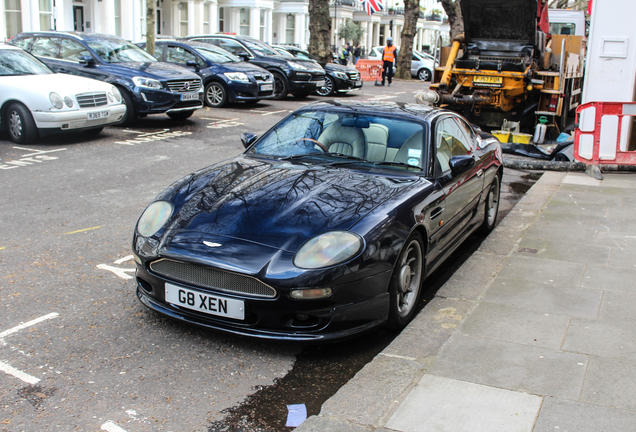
(192, 63)
(248, 138)
(243, 55)
(460, 164)
(87, 60)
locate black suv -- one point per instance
(147, 86)
(298, 77)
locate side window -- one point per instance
(23, 42)
(467, 130)
(179, 55)
(232, 46)
(158, 51)
(44, 47)
(302, 55)
(71, 50)
(450, 141)
(415, 58)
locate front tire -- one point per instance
(180, 115)
(215, 95)
(280, 86)
(327, 89)
(491, 209)
(406, 283)
(20, 124)
(424, 74)
(131, 112)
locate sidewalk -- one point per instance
(535, 332)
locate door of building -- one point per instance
(78, 18)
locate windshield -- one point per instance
(116, 51)
(260, 47)
(284, 52)
(319, 137)
(217, 55)
(21, 63)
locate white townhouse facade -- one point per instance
(272, 21)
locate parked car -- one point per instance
(338, 78)
(147, 86)
(298, 77)
(226, 78)
(422, 64)
(35, 101)
(325, 227)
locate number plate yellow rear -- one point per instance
(488, 81)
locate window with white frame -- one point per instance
(117, 17)
(262, 30)
(290, 29)
(46, 14)
(244, 26)
(206, 18)
(13, 17)
(221, 29)
(183, 19)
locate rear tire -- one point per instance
(406, 283)
(280, 86)
(215, 95)
(180, 115)
(491, 209)
(20, 124)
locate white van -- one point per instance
(566, 22)
(422, 64)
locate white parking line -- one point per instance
(275, 112)
(28, 324)
(18, 374)
(109, 426)
(124, 259)
(120, 272)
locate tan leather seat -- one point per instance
(412, 150)
(377, 137)
(343, 139)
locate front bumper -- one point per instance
(151, 101)
(77, 119)
(238, 91)
(347, 85)
(305, 82)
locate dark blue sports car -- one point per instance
(325, 227)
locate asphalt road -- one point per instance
(77, 350)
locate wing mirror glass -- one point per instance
(248, 138)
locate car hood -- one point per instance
(511, 20)
(275, 204)
(157, 70)
(339, 68)
(244, 67)
(62, 84)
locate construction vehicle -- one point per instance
(506, 66)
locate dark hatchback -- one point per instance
(325, 227)
(298, 77)
(339, 79)
(226, 78)
(147, 86)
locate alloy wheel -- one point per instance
(410, 277)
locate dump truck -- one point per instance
(507, 66)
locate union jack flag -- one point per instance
(373, 6)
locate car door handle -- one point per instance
(480, 173)
(436, 212)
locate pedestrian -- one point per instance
(389, 54)
(344, 54)
(356, 54)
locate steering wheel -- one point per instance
(318, 143)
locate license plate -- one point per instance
(267, 87)
(204, 302)
(359, 82)
(94, 115)
(488, 81)
(189, 96)
(320, 83)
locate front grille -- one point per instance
(91, 100)
(212, 278)
(262, 77)
(355, 76)
(184, 86)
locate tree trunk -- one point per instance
(320, 25)
(150, 27)
(405, 56)
(454, 12)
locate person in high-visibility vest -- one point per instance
(389, 54)
(344, 54)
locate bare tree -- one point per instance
(150, 26)
(405, 56)
(320, 25)
(454, 13)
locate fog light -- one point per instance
(302, 317)
(137, 259)
(310, 294)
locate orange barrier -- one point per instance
(603, 133)
(370, 70)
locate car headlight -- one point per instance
(68, 101)
(147, 82)
(340, 75)
(237, 76)
(296, 66)
(114, 93)
(154, 217)
(56, 100)
(328, 249)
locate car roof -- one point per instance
(239, 37)
(9, 47)
(76, 35)
(419, 112)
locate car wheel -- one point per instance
(424, 74)
(215, 95)
(180, 115)
(327, 89)
(280, 86)
(406, 283)
(492, 206)
(20, 124)
(95, 131)
(131, 112)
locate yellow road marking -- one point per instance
(82, 230)
(3, 247)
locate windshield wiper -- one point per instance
(342, 155)
(397, 164)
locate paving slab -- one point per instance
(610, 279)
(546, 298)
(446, 405)
(619, 240)
(618, 307)
(322, 424)
(555, 248)
(601, 338)
(594, 210)
(570, 416)
(471, 280)
(623, 258)
(612, 383)
(558, 220)
(619, 180)
(591, 195)
(511, 366)
(580, 233)
(542, 270)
